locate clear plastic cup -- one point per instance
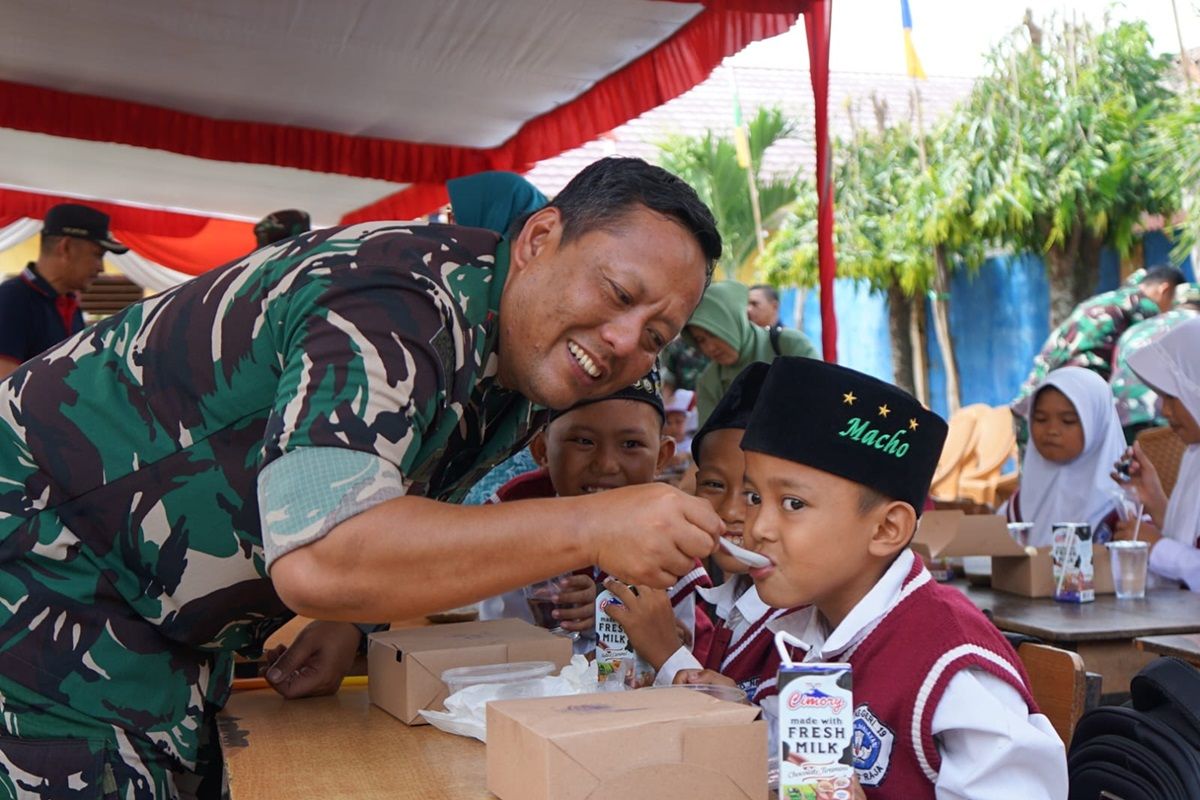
(540, 597)
(1130, 561)
(512, 676)
(1019, 531)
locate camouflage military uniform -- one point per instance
(131, 554)
(684, 362)
(1086, 339)
(1137, 404)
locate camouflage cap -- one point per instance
(1187, 293)
(280, 225)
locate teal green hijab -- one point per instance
(492, 200)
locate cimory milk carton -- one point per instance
(1072, 556)
(617, 665)
(816, 732)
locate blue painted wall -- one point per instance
(999, 318)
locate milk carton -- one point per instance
(617, 665)
(1072, 556)
(816, 732)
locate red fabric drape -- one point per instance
(219, 242)
(673, 67)
(817, 24)
(15, 203)
(669, 70)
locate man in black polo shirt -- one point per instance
(39, 308)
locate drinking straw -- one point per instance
(1137, 525)
(1068, 555)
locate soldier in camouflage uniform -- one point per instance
(271, 430)
(1089, 335)
(1138, 405)
(685, 363)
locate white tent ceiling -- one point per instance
(464, 73)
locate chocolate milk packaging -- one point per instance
(816, 732)
(617, 665)
(1072, 556)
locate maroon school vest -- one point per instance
(902, 669)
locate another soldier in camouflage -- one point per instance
(282, 434)
(1138, 405)
(1089, 335)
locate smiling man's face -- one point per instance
(586, 318)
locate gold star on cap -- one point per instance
(884, 410)
(912, 424)
(848, 398)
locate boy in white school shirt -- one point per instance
(837, 466)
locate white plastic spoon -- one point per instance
(747, 557)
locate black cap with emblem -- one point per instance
(848, 424)
(647, 389)
(81, 222)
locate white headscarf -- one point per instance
(1172, 366)
(1081, 490)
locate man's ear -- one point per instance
(895, 522)
(541, 233)
(666, 451)
(537, 448)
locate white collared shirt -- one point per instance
(736, 605)
(992, 748)
(1176, 561)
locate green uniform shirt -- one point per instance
(1137, 403)
(1087, 337)
(132, 558)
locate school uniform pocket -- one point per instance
(55, 769)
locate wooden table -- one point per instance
(1184, 646)
(341, 747)
(1102, 632)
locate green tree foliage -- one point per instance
(709, 163)
(1175, 154)
(1056, 137)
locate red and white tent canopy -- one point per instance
(190, 118)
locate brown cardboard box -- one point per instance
(649, 744)
(405, 666)
(1021, 570)
(953, 534)
(1032, 574)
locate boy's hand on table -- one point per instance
(704, 676)
(316, 662)
(648, 620)
(650, 534)
(578, 591)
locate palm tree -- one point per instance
(709, 163)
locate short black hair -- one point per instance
(1164, 274)
(768, 290)
(869, 499)
(605, 190)
(49, 241)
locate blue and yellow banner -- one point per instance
(915, 69)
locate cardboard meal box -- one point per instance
(649, 744)
(1032, 575)
(405, 666)
(1026, 571)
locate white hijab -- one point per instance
(1081, 490)
(1172, 366)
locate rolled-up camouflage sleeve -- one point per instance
(363, 377)
(307, 493)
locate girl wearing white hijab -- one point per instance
(1074, 437)
(1171, 366)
